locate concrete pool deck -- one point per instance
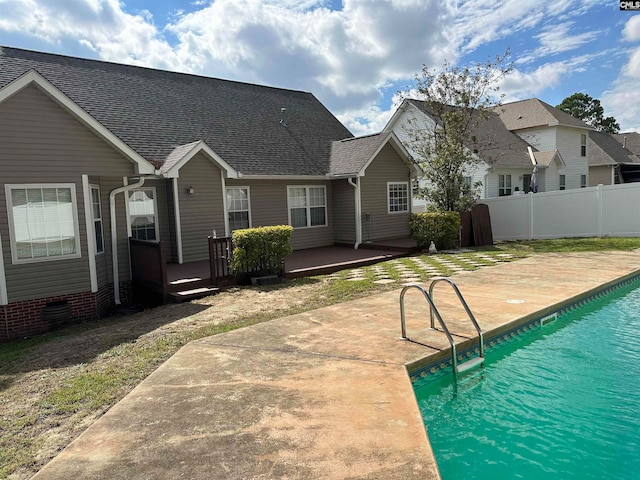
(319, 395)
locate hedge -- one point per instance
(441, 228)
(260, 251)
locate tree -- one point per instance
(457, 100)
(589, 110)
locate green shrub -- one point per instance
(260, 251)
(441, 228)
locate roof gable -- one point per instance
(32, 77)
(495, 144)
(155, 112)
(351, 157)
(535, 113)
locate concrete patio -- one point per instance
(319, 395)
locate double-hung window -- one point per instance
(398, 197)
(504, 185)
(142, 214)
(583, 145)
(238, 206)
(583, 181)
(307, 206)
(563, 182)
(43, 222)
(96, 210)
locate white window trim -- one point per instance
(93, 219)
(406, 184)
(583, 143)
(562, 182)
(12, 237)
(248, 202)
(505, 188)
(308, 207)
(155, 211)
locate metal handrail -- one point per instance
(464, 304)
(403, 325)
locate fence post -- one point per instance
(599, 209)
(530, 215)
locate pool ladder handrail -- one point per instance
(434, 313)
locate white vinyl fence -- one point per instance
(612, 210)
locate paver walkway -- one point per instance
(319, 395)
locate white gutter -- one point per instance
(176, 211)
(531, 156)
(114, 236)
(90, 228)
(358, 212)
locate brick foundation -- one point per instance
(26, 318)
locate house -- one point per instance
(556, 135)
(610, 162)
(510, 142)
(497, 149)
(94, 153)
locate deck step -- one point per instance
(469, 364)
(185, 295)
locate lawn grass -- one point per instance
(70, 395)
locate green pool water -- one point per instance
(562, 402)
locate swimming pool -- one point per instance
(560, 402)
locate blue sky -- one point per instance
(354, 55)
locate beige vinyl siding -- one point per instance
(42, 143)
(600, 175)
(344, 229)
(386, 167)
(269, 207)
(200, 212)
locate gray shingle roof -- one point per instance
(156, 112)
(535, 113)
(604, 149)
(495, 144)
(632, 142)
(349, 156)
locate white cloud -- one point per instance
(622, 100)
(631, 31)
(558, 38)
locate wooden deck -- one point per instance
(302, 263)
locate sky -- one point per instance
(355, 56)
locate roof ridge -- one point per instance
(151, 69)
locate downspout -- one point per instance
(358, 212)
(114, 235)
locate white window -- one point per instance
(504, 185)
(563, 182)
(43, 222)
(583, 181)
(307, 206)
(239, 209)
(398, 197)
(142, 214)
(96, 210)
(583, 145)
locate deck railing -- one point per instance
(149, 267)
(220, 251)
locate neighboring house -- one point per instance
(630, 170)
(504, 159)
(93, 153)
(610, 162)
(556, 135)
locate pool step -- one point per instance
(469, 364)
